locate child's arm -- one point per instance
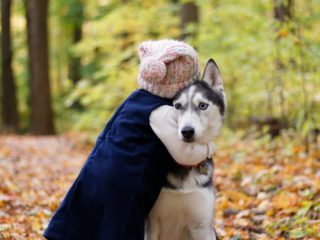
(163, 122)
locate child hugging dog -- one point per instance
(122, 177)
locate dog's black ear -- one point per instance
(212, 76)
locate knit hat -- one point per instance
(167, 66)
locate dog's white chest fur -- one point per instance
(182, 215)
(185, 207)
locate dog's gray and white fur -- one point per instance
(185, 207)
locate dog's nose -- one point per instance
(187, 132)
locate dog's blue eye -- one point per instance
(203, 106)
(178, 106)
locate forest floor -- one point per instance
(265, 190)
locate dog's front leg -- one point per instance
(152, 230)
(203, 234)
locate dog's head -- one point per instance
(201, 107)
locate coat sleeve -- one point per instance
(163, 122)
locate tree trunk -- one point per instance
(41, 110)
(9, 101)
(282, 13)
(283, 10)
(74, 61)
(189, 14)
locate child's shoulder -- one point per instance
(141, 94)
(143, 101)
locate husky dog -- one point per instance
(185, 207)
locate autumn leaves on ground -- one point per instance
(265, 189)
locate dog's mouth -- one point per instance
(188, 140)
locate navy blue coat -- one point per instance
(120, 181)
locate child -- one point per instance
(124, 173)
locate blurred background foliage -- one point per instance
(268, 52)
(269, 62)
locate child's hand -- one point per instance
(211, 147)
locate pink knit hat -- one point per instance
(167, 66)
